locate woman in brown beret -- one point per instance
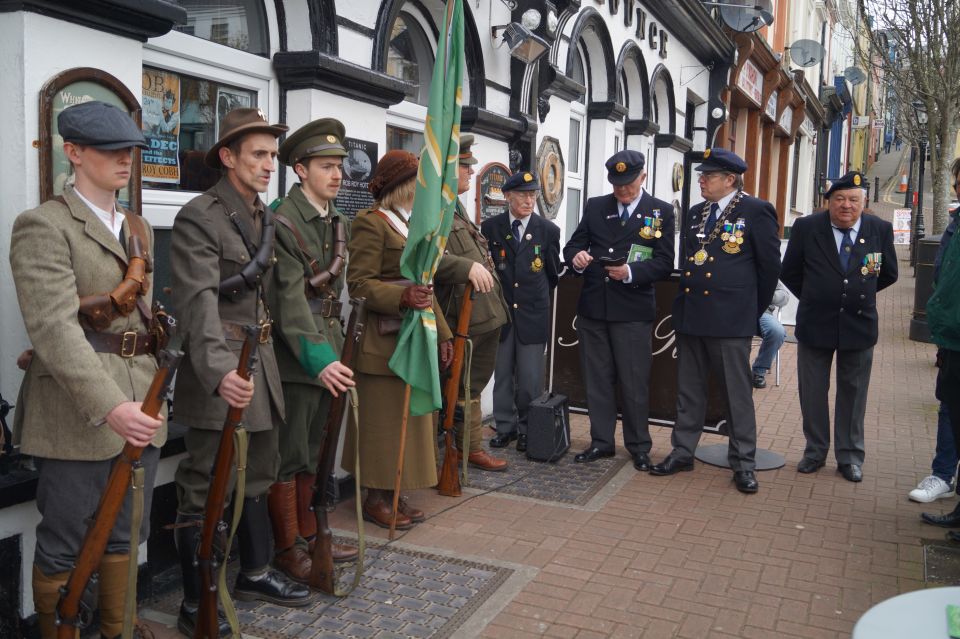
(376, 244)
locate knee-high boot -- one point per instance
(187, 540)
(289, 557)
(307, 520)
(257, 579)
(46, 595)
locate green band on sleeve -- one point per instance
(315, 357)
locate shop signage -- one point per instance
(551, 168)
(651, 33)
(358, 166)
(807, 126)
(901, 226)
(750, 81)
(161, 126)
(786, 119)
(771, 108)
(860, 121)
(490, 199)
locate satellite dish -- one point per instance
(854, 75)
(745, 16)
(806, 53)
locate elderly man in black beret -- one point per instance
(526, 250)
(836, 261)
(729, 272)
(622, 246)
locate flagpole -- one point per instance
(403, 445)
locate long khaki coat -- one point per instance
(375, 250)
(206, 248)
(58, 254)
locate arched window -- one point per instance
(410, 56)
(239, 24)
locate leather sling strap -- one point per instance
(301, 244)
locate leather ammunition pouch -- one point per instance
(249, 277)
(319, 280)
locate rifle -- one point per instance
(75, 610)
(208, 625)
(449, 483)
(321, 572)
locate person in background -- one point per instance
(772, 335)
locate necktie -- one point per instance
(517, 233)
(625, 214)
(712, 220)
(846, 246)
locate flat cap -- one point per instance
(722, 160)
(623, 167)
(852, 180)
(521, 181)
(100, 125)
(466, 149)
(320, 138)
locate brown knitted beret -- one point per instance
(393, 169)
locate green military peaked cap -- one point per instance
(320, 138)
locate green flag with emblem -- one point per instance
(415, 358)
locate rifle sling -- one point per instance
(312, 262)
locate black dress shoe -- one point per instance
(759, 381)
(851, 472)
(502, 440)
(641, 461)
(950, 520)
(187, 620)
(953, 535)
(746, 481)
(521, 443)
(808, 465)
(671, 465)
(273, 586)
(591, 455)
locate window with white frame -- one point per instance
(239, 24)
(575, 149)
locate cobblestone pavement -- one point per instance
(689, 556)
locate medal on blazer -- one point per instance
(871, 264)
(651, 226)
(700, 257)
(732, 241)
(502, 262)
(537, 264)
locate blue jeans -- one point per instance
(772, 336)
(945, 459)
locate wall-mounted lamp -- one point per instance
(523, 44)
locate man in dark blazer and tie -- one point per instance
(526, 250)
(836, 261)
(729, 272)
(622, 246)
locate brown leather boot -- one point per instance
(306, 519)
(289, 557)
(378, 511)
(46, 595)
(485, 461)
(415, 514)
(113, 593)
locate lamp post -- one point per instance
(920, 113)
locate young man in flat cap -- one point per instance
(526, 251)
(221, 260)
(836, 261)
(467, 259)
(622, 246)
(729, 266)
(311, 254)
(80, 395)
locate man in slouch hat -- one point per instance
(222, 256)
(73, 260)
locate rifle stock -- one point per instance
(208, 625)
(72, 611)
(322, 572)
(448, 483)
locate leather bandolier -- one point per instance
(250, 277)
(321, 297)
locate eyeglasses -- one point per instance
(708, 175)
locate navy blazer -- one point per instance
(726, 296)
(527, 284)
(601, 233)
(838, 309)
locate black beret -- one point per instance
(100, 125)
(521, 181)
(624, 166)
(722, 160)
(852, 180)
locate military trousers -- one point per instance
(303, 431)
(68, 493)
(193, 474)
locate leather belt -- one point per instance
(128, 344)
(238, 331)
(325, 307)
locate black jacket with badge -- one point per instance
(528, 274)
(727, 294)
(838, 310)
(601, 233)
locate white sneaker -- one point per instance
(930, 489)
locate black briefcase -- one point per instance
(548, 427)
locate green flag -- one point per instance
(415, 358)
